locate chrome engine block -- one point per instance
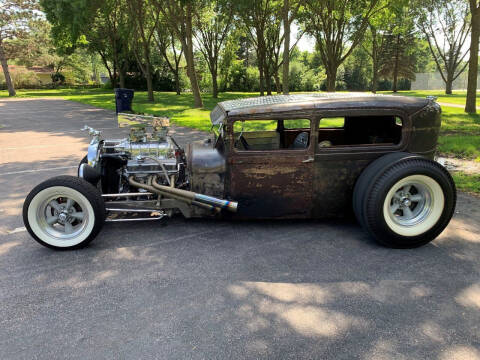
(148, 157)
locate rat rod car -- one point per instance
(285, 156)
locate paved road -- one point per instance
(219, 290)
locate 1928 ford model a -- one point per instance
(294, 156)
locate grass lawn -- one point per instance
(467, 182)
(458, 97)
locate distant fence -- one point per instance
(434, 81)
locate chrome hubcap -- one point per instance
(62, 217)
(411, 204)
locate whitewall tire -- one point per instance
(64, 212)
(407, 202)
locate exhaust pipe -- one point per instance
(204, 199)
(188, 197)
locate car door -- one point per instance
(271, 182)
(343, 152)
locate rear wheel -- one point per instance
(64, 212)
(408, 204)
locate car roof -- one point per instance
(312, 101)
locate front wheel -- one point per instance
(408, 204)
(64, 212)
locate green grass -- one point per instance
(458, 97)
(459, 134)
(467, 182)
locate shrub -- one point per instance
(21, 78)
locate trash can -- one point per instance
(123, 100)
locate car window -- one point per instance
(334, 122)
(266, 135)
(359, 131)
(297, 124)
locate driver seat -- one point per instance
(301, 141)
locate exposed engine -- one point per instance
(148, 169)
(143, 154)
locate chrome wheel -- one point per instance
(62, 217)
(413, 205)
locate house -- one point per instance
(44, 73)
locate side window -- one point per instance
(266, 135)
(359, 131)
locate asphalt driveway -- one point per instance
(219, 290)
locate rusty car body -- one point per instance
(285, 156)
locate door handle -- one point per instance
(309, 160)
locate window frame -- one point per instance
(309, 150)
(405, 134)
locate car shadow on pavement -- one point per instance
(269, 288)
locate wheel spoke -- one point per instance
(407, 213)
(68, 228)
(55, 205)
(406, 189)
(52, 220)
(416, 197)
(394, 207)
(77, 215)
(69, 204)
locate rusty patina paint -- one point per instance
(315, 182)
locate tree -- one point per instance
(212, 31)
(375, 46)
(145, 20)
(179, 15)
(260, 18)
(471, 103)
(35, 47)
(14, 17)
(167, 44)
(108, 36)
(288, 16)
(398, 59)
(446, 26)
(338, 27)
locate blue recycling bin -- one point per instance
(123, 100)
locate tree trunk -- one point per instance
(121, 76)
(188, 45)
(278, 85)
(6, 72)
(268, 82)
(177, 82)
(148, 76)
(374, 60)
(449, 85)
(331, 78)
(375, 76)
(262, 80)
(395, 68)
(471, 103)
(286, 47)
(214, 84)
(115, 77)
(148, 73)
